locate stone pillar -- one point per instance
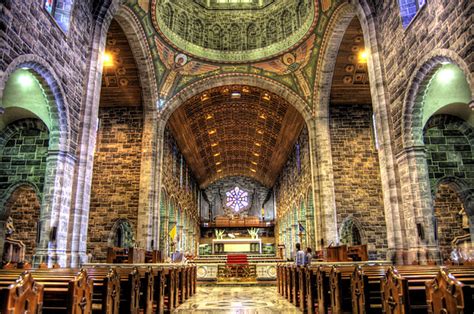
(55, 209)
(320, 139)
(288, 243)
(164, 237)
(417, 213)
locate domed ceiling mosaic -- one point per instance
(234, 30)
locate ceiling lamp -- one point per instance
(256, 154)
(263, 116)
(214, 144)
(213, 131)
(245, 89)
(217, 154)
(235, 95)
(253, 170)
(260, 132)
(363, 56)
(254, 163)
(209, 116)
(107, 59)
(266, 96)
(205, 97)
(258, 144)
(218, 163)
(219, 170)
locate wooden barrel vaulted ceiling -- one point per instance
(236, 131)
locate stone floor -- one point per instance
(237, 300)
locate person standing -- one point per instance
(308, 257)
(300, 257)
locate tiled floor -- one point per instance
(237, 300)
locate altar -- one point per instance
(243, 245)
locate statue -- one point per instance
(254, 232)
(10, 229)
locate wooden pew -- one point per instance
(446, 294)
(295, 285)
(62, 293)
(23, 295)
(311, 289)
(403, 289)
(323, 289)
(302, 286)
(339, 288)
(365, 289)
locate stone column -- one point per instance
(417, 213)
(320, 140)
(55, 209)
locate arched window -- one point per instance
(60, 10)
(215, 37)
(234, 37)
(197, 32)
(122, 234)
(272, 32)
(408, 10)
(302, 11)
(286, 23)
(351, 232)
(251, 37)
(168, 16)
(182, 27)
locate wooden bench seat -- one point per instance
(404, 290)
(21, 295)
(61, 294)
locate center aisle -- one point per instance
(242, 300)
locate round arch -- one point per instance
(412, 125)
(54, 92)
(232, 79)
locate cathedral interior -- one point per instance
(197, 132)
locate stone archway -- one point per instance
(412, 164)
(322, 87)
(55, 206)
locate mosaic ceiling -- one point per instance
(234, 30)
(236, 131)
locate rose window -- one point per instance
(237, 199)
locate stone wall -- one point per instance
(448, 212)
(438, 25)
(450, 153)
(292, 200)
(357, 182)
(23, 150)
(116, 178)
(26, 28)
(23, 207)
(180, 204)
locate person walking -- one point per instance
(300, 257)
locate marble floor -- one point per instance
(237, 300)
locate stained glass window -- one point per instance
(408, 10)
(60, 10)
(237, 199)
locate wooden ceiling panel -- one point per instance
(350, 84)
(236, 130)
(120, 81)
